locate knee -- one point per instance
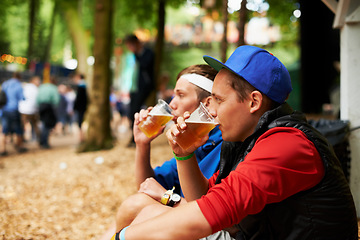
(131, 206)
(149, 212)
(153, 210)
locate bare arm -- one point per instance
(192, 181)
(183, 222)
(143, 168)
(152, 188)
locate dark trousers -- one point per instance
(44, 136)
(137, 99)
(48, 119)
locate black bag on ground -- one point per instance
(337, 133)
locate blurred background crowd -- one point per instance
(64, 40)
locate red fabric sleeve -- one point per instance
(213, 178)
(283, 162)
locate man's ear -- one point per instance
(256, 99)
(206, 101)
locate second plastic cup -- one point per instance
(198, 124)
(158, 117)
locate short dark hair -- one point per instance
(17, 75)
(53, 79)
(131, 38)
(203, 70)
(243, 88)
(34, 77)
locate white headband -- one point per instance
(199, 80)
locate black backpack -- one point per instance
(3, 98)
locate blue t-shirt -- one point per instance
(207, 155)
(14, 94)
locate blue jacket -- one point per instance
(14, 94)
(208, 156)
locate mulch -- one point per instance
(60, 194)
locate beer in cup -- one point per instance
(157, 117)
(198, 125)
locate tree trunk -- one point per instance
(32, 10)
(159, 46)
(242, 20)
(224, 38)
(46, 57)
(98, 111)
(77, 32)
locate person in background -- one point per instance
(80, 103)
(48, 99)
(144, 84)
(11, 118)
(29, 108)
(61, 110)
(70, 99)
(164, 92)
(122, 106)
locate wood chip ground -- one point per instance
(60, 194)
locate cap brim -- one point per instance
(217, 65)
(214, 63)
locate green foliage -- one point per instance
(17, 28)
(128, 16)
(143, 10)
(16, 18)
(61, 38)
(177, 58)
(87, 18)
(87, 14)
(125, 21)
(280, 11)
(4, 36)
(178, 15)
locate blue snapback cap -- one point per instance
(260, 68)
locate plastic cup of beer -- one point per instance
(199, 124)
(157, 117)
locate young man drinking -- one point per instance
(193, 85)
(278, 179)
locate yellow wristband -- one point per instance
(165, 198)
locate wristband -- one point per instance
(122, 233)
(183, 158)
(166, 197)
(170, 198)
(116, 236)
